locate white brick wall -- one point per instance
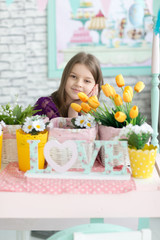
(23, 57)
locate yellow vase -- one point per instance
(1, 137)
(142, 161)
(24, 151)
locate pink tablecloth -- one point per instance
(13, 180)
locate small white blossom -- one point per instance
(90, 118)
(39, 125)
(34, 124)
(80, 121)
(27, 127)
(89, 124)
(85, 121)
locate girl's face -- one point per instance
(79, 80)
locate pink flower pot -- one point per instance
(107, 133)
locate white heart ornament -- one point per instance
(67, 144)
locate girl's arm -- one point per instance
(47, 107)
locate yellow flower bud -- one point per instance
(139, 86)
(120, 116)
(113, 92)
(127, 96)
(118, 100)
(83, 97)
(93, 102)
(120, 80)
(133, 112)
(85, 107)
(108, 90)
(129, 88)
(76, 107)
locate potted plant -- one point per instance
(121, 114)
(142, 155)
(13, 116)
(112, 118)
(33, 128)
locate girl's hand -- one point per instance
(71, 112)
(94, 91)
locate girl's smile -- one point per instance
(79, 80)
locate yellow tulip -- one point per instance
(113, 92)
(85, 107)
(133, 112)
(120, 116)
(129, 88)
(76, 107)
(120, 80)
(108, 90)
(83, 97)
(139, 86)
(118, 100)
(127, 96)
(93, 102)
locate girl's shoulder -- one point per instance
(42, 100)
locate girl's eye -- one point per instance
(72, 76)
(87, 81)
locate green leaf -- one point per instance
(138, 140)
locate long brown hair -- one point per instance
(92, 63)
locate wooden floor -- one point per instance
(154, 226)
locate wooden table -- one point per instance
(29, 211)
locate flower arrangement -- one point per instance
(34, 124)
(137, 136)
(15, 115)
(84, 121)
(122, 114)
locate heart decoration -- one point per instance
(71, 145)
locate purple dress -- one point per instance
(47, 107)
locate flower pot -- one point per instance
(142, 161)
(9, 150)
(107, 133)
(62, 131)
(1, 137)
(24, 150)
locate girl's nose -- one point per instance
(79, 82)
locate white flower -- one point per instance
(27, 127)
(80, 121)
(129, 129)
(89, 124)
(90, 118)
(39, 125)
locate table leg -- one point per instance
(22, 235)
(143, 223)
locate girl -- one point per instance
(81, 74)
